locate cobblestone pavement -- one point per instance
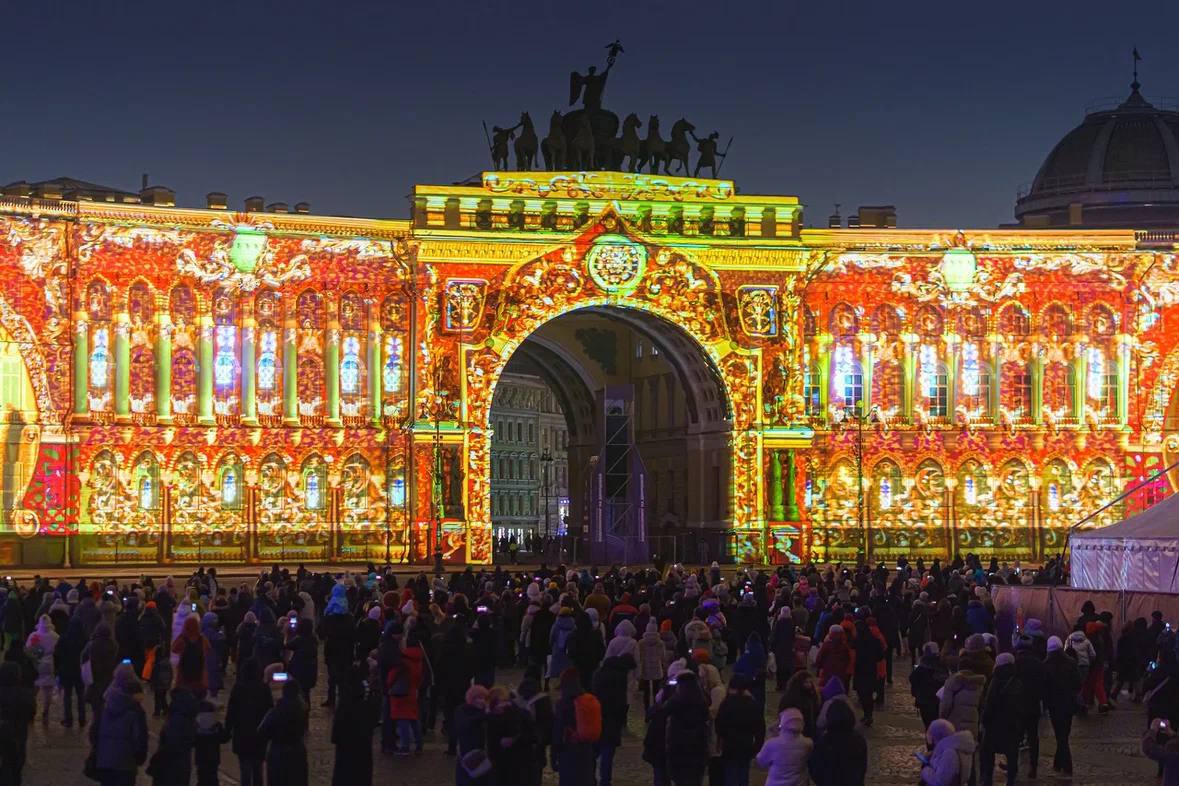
(1105, 749)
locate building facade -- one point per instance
(188, 386)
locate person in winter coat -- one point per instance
(976, 657)
(244, 640)
(119, 735)
(782, 645)
(962, 696)
(924, 683)
(840, 757)
(249, 701)
(752, 664)
(1128, 663)
(67, 663)
(802, 694)
(573, 758)
(539, 632)
(869, 651)
(103, 655)
(14, 619)
(267, 639)
(128, 636)
(951, 755)
(835, 657)
(559, 636)
(402, 685)
(687, 732)
(470, 721)
(352, 731)
(1030, 670)
(585, 647)
(1062, 682)
(284, 728)
(740, 730)
(1002, 729)
(652, 663)
(455, 671)
(539, 705)
(338, 632)
(17, 708)
(190, 656)
(786, 755)
(1161, 745)
(304, 661)
(171, 764)
(210, 735)
(211, 630)
(610, 685)
(510, 737)
(40, 646)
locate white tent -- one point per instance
(1140, 553)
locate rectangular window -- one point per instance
(812, 393)
(1021, 383)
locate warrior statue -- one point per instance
(602, 125)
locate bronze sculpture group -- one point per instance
(588, 138)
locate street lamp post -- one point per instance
(546, 459)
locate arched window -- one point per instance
(314, 483)
(267, 312)
(350, 367)
(930, 323)
(101, 360)
(887, 481)
(141, 309)
(182, 309)
(812, 392)
(973, 485)
(849, 377)
(230, 483)
(809, 323)
(393, 356)
(934, 381)
(272, 483)
(1103, 321)
(146, 477)
(844, 321)
(186, 483)
(1014, 320)
(353, 363)
(310, 321)
(1057, 321)
(1057, 485)
(225, 347)
(972, 323)
(886, 321)
(396, 490)
(976, 378)
(354, 479)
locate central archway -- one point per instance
(648, 464)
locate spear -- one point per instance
(723, 156)
(490, 148)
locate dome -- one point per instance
(1118, 168)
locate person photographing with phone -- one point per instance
(1161, 745)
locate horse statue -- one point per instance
(629, 145)
(581, 148)
(553, 147)
(679, 146)
(526, 144)
(653, 149)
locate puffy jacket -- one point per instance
(1082, 650)
(121, 736)
(652, 657)
(961, 697)
(785, 756)
(740, 726)
(558, 639)
(1062, 682)
(610, 684)
(834, 660)
(950, 761)
(409, 669)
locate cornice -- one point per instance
(918, 241)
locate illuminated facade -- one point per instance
(202, 385)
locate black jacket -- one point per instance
(740, 726)
(248, 705)
(171, 765)
(840, 757)
(1062, 681)
(339, 641)
(610, 684)
(284, 727)
(1034, 677)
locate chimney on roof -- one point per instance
(215, 200)
(254, 204)
(143, 182)
(160, 196)
(277, 207)
(876, 217)
(302, 207)
(835, 221)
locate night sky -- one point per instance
(941, 108)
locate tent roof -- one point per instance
(1158, 521)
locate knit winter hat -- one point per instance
(1004, 659)
(939, 730)
(975, 643)
(1055, 644)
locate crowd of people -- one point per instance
(692, 655)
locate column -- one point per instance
(376, 370)
(1036, 367)
(777, 508)
(1080, 368)
(81, 364)
(909, 378)
(205, 371)
(825, 381)
(1123, 402)
(953, 349)
(163, 363)
(122, 331)
(995, 394)
(792, 512)
(290, 373)
(249, 368)
(331, 372)
(866, 368)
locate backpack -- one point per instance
(192, 659)
(587, 711)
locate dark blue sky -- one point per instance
(942, 108)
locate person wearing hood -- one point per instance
(304, 662)
(511, 737)
(951, 755)
(211, 630)
(976, 657)
(249, 701)
(1029, 667)
(1001, 724)
(585, 647)
(367, 634)
(867, 666)
(962, 696)
(128, 636)
(17, 709)
(119, 734)
(782, 645)
(14, 618)
(752, 664)
(652, 660)
(455, 669)
(835, 657)
(171, 764)
(103, 655)
(469, 728)
(610, 687)
(925, 681)
(840, 757)
(244, 640)
(338, 633)
(688, 731)
(352, 731)
(786, 755)
(284, 728)
(740, 730)
(403, 682)
(40, 646)
(1062, 684)
(190, 656)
